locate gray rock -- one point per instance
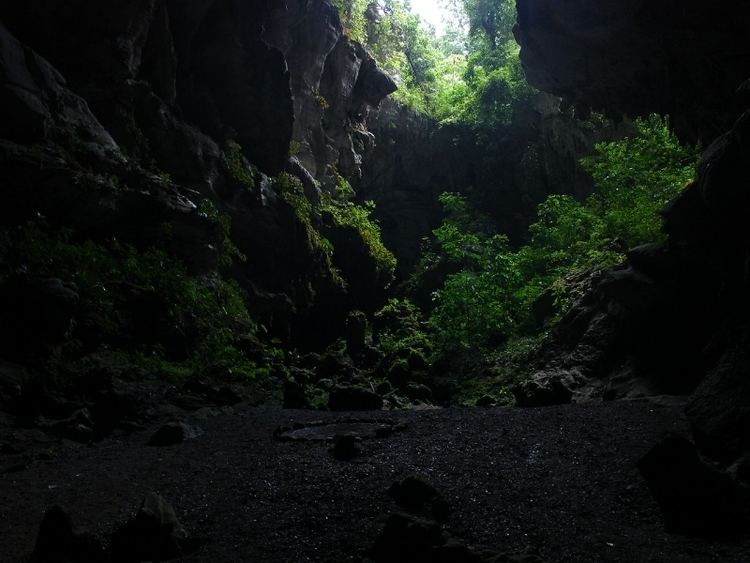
(58, 542)
(153, 534)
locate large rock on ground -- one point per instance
(694, 497)
(153, 534)
(59, 542)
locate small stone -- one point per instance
(295, 395)
(440, 509)
(486, 401)
(413, 492)
(345, 447)
(9, 449)
(383, 432)
(171, 434)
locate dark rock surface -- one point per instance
(345, 447)
(695, 497)
(561, 480)
(682, 59)
(416, 494)
(153, 534)
(353, 398)
(58, 542)
(172, 433)
(674, 319)
(177, 102)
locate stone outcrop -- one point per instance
(685, 59)
(334, 83)
(675, 317)
(178, 102)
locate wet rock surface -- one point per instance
(561, 480)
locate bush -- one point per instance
(491, 295)
(143, 303)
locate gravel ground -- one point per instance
(562, 480)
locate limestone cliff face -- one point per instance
(334, 83)
(677, 314)
(171, 90)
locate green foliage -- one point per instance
(347, 214)
(292, 192)
(405, 50)
(475, 303)
(322, 102)
(352, 14)
(472, 76)
(399, 325)
(228, 251)
(238, 166)
(114, 282)
(491, 293)
(636, 177)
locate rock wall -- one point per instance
(675, 316)
(508, 172)
(683, 58)
(199, 99)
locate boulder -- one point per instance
(417, 495)
(59, 542)
(543, 391)
(345, 447)
(153, 534)
(172, 433)
(295, 395)
(694, 497)
(719, 409)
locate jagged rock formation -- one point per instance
(677, 313)
(177, 102)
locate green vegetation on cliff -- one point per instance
(490, 294)
(471, 74)
(139, 305)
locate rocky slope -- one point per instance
(674, 318)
